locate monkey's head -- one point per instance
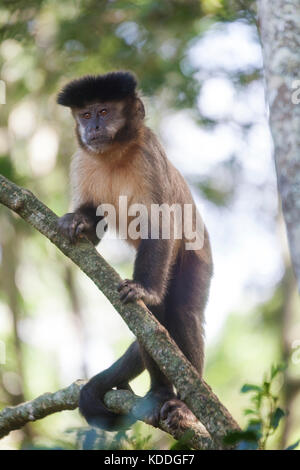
(106, 109)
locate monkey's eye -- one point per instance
(86, 115)
(103, 112)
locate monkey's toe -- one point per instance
(177, 415)
(123, 284)
(130, 291)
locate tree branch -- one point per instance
(15, 417)
(197, 395)
(119, 401)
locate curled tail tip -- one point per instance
(96, 414)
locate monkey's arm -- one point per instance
(151, 272)
(82, 222)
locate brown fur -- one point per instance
(138, 169)
(172, 281)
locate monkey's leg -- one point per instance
(161, 389)
(185, 304)
(91, 405)
(150, 280)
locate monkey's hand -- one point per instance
(131, 291)
(75, 225)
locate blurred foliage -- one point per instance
(43, 44)
(265, 414)
(254, 339)
(146, 36)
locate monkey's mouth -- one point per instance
(99, 139)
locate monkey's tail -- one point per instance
(91, 404)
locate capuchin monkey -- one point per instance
(118, 155)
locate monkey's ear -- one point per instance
(140, 108)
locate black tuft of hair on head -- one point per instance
(113, 86)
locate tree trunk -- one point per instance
(279, 22)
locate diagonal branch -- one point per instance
(196, 394)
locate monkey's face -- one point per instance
(98, 124)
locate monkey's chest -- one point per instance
(119, 199)
(115, 190)
(119, 189)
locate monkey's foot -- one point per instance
(149, 408)
(131, 291)
(177, 415)
(76, 224)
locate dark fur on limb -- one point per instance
(194, 392)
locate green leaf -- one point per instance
(266, 387)
(250, 388)
(255, 425)
(276, 417)
(240, 436)
(277, 368)
(249, 412)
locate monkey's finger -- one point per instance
(72, 231)
(168, 408)
(79, 229)
(124, 292)
(131, 296)
(170, 419)
(123, 284)
(172, 423)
